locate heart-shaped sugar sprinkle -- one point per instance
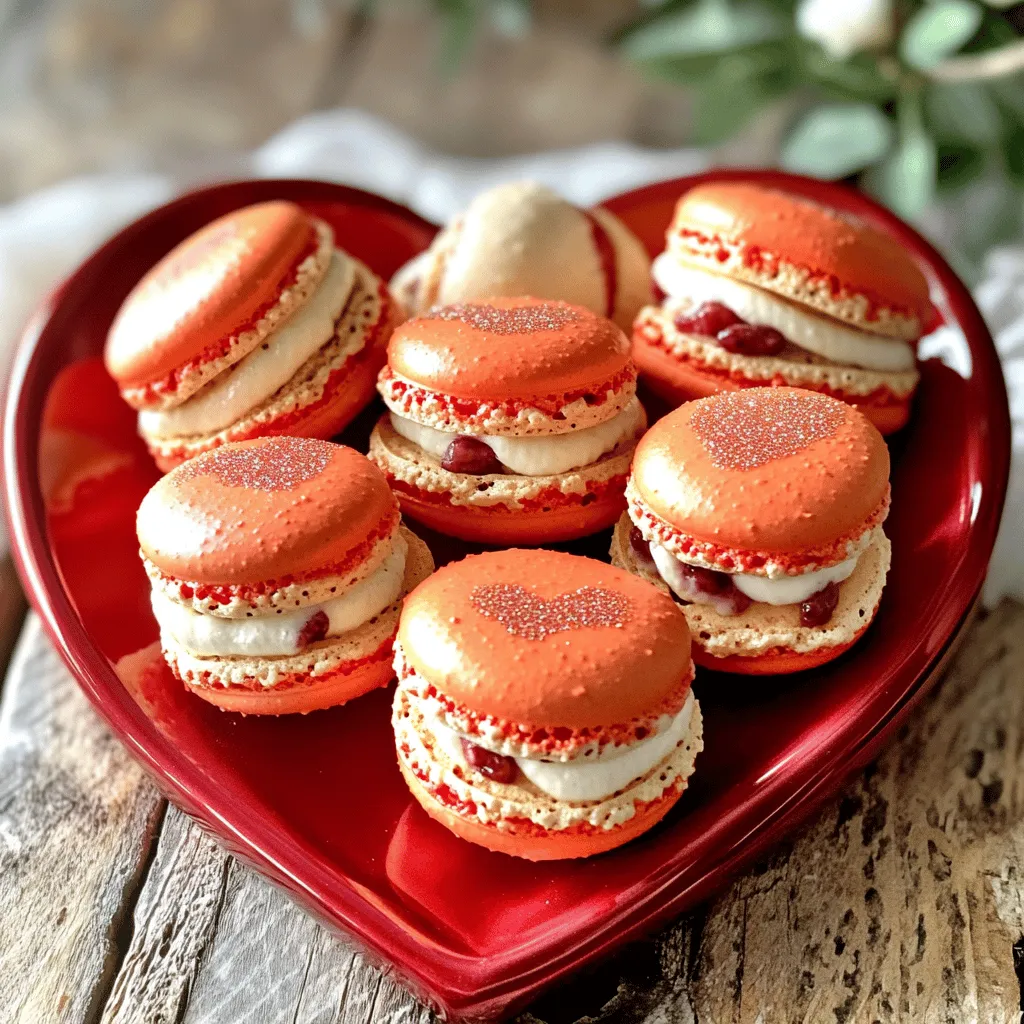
(748, 429)
(534, 618)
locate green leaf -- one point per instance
(458, 19)
(706, 27)
(905, 180)
(836, 140)
(937, 30)
(958, 165)
(857, 78)
(963, 112)
(739, 86)
(1013, 154)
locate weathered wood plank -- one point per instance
(77, 822)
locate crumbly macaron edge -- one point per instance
(182, 383)
(568, 413)
(722, 558)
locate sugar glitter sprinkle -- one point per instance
(748, 429)
(279, 464)
(534, 618)
(546, 316)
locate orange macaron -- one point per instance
(278, 568)
(767, 288)
(543, 707)
(762, 511)
(521, 238)
(510, 421)
(256, 325)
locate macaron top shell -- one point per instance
(508, 348)
(764, 469)
(762, 226)
(545, 639)
(266, 510)
(213, 285)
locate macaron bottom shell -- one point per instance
(535, 843)
(517, 510)
(328, 673)
(808, 647)
(312, 694)
(676, 381)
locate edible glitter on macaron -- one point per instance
(547, 316)
(533, 618)
(748, 429)
(279, 464)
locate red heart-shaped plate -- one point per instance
(317, 802)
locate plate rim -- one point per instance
(485, 986)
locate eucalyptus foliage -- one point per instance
(920, 101)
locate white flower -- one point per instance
(843, 27)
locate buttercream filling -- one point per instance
(817, 334)
(253, 379)
(274, 635)
(536, 456)
(779, 590)
(585, 779)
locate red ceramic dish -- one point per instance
(317, 802)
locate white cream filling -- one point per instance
(536, 456)
(827, 338)
(252, 380)
(777, 591)
(277, 635)
(583, 780)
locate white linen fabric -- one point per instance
(43, 236)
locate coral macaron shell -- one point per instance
(760, 227)
(212, 286)
(765, 469)
(265, 510)
(546, 639)
(508, 348)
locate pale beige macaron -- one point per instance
(524, 239)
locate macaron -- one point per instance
(765, 288)
(278, 568)
(523, 239)
(510, 421)
(543, 706)
(256, 325)
(761, 511)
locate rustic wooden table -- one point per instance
(901, 901)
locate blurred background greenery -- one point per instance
(921, 102)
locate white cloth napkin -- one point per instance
(43, 236)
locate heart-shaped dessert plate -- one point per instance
(317, 802)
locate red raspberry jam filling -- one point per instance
(640, 547)
(467, 454)
(314, 630)
(496, 767)
(731, 332)
(818, 608)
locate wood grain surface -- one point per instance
(902, 901)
